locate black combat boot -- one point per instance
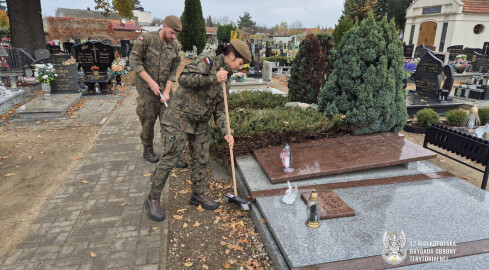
(181, 164)
(154, 209)
(202, 199)
(150, 155)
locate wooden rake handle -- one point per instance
(228, 126)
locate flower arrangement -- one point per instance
(245, 67)
(238, 76)
(117, 68)
(70, 61)
(95, 68)
(44, 73)
(410, 67)
(460, 64)
(4, 64)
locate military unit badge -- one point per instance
(394, 243)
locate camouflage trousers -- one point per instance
(149, 108)
(173, 144)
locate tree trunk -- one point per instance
(26, 25)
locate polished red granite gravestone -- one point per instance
(340, 155)
(331, 205)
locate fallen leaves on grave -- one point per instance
(92, 254)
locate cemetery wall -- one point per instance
(64, 28)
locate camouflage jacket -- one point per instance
(199, 96)
(158, 60)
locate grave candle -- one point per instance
(313, 210)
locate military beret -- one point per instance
(174, 22)
(242, 48)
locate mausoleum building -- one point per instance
(444, 23)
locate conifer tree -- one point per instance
(312, 64)
(366, 83)
(193, 27)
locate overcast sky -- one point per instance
(264, 12)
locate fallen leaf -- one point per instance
(120, 178)
(3, 157)
(123, 204)
(227, 251)
(263, 220)
(226, 265)
(465, 177)
(30, 157)
(147, 175)
(233, 261)
(122, 137)
(188, 264)
(8, 238)
(217, 220)
(197, 224)
(200, 209)
(93, 255)
(9, 174)
(203, 244)
(205, 267)
(154, 228)
(185, 225)
(182, 210)
(78, 158)
(177, 217)
(84, 181)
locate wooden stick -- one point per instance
(228, 126)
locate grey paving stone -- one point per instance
(121, 259)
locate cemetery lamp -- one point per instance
(313, 210)
(13, 82)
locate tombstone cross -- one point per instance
(95, 53)
(487, 46)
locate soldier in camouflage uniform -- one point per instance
(155, 59)
(199, 96)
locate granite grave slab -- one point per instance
(319, 158)
(53, 106)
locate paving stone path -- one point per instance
(97, 219)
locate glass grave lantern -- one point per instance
(313, 210)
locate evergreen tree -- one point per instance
(366, 83)
(358, 10)
(339, 31)
(395, 9)
(193, 27)
(311, 66)
(224, 33)
(245, 22)
(209, 22)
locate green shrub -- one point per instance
(262, 128)
(455, 117)
(484, 115)
(312, 64)
(193, 27)
(277, 58)
(366, 83)
(255, 100)
(427, 116)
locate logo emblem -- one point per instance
(394, 254)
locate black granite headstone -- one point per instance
(454, 51)
(68, 46)
(427, 75)
(77, 40)
(485, 48)
(422, 52)
(470, 52)
(91, 54)
(481, 62)
(416, 51)
(124, 42)
(42, 61)
(20, 57)
(67, 79)
(54, 49)
(41, 53)
(408, 51)
(59, 58)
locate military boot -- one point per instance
(202, 199)
(150, 155)
(181, 164)
(154, 209)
